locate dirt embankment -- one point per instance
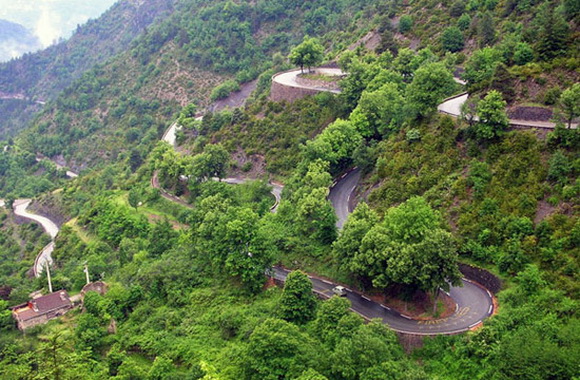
(530, 113)
(49, 206)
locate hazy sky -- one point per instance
(52, 19)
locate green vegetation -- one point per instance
(189, 294)
(309, 53)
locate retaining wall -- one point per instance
(280, 92)
(482, 277)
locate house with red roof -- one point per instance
(42, 309)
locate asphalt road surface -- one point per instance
(289, 79)
(340, 195)
(45, 256)
(473, 305)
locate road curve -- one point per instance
(473, 305)
(290, 79)
(340, 194)
(45, 255)
(276, 188)
(452, 107)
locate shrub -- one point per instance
(452, 39)
(224, 90)
(405, 24)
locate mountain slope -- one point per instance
(44, 74)
(15, 40)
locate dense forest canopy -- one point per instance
(185, 235)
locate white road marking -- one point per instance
(473, 325)
(384, 307)
(327, 282)
(366, 298)
(490, 309)
(404, 316)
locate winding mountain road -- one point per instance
(474, 304)
(340, 195)
(45, 256)
(290, 79)
(452, 107)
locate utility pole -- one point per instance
(48, 276)
(86, 270)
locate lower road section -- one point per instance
(474, 304)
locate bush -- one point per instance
(464, 22)
(523, 54)
(452, 39)
(405, 24)
(224, 90)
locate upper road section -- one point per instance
(290, 79)
(288, 86)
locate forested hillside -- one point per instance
(190, 237)
(44, 74)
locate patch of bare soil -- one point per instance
(530, 113)
(544, 210)
(49, 206)
(370, 41)
(154, 218)
(248, 166)
(420, 305)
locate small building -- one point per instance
(98, 286)
(42, 309)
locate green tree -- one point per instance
(523, 53)
(335, 144)
(493, 119)
(161, 369)
(431, 83)
(480, 67)
(405, 24)
(213, 162)
(334, 321)
(553, 34)
(297, 303)
(311, 374)
(162, 237)
(452, 39)
(315, 216)
(486, 30)
(457, 8)
(464, 22)
(6, 320)
(559, 168)
(356, 227)
(277, 350)
(135, 197)
(379, 112)
(309, 53)
(369, 346)
(570, 103)
(409, 247)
